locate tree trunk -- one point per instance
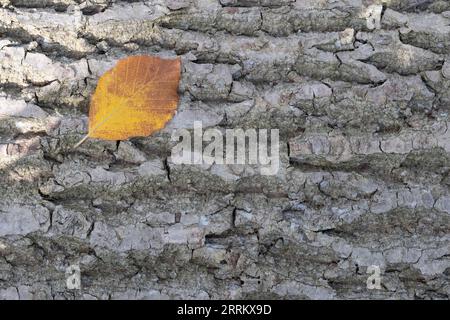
(359, 91)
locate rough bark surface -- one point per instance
(359, 90)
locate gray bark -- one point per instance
(359, 90)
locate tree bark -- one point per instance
(359, 91)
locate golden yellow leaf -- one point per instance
(135, 98)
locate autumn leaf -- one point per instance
(134, 99)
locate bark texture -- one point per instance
(358, 88)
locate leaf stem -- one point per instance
(81, 141)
